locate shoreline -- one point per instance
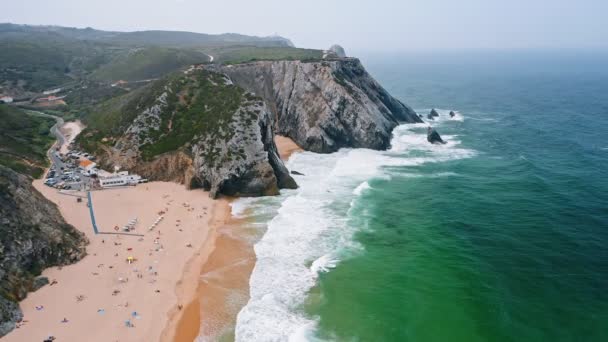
(223, 286)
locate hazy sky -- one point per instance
(356, 24)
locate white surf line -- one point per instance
(210, 58)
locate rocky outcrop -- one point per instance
(33, 236)
(452, 114)
(433, 114)
(203, 131)
(337, 50)
(433, 137)
(248, 164)
(324, 105)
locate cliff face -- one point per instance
(202, 130)
(33, 236)
(324, 105)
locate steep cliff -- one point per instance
(324, 105)
(200, 129)
(33, 236)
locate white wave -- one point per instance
(312, 226)
(362, 187)
(444, 115)
(323, 264)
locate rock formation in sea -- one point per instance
(452, 114)
(433, 114)
(433, 137)
(33, 236)
(324, 105)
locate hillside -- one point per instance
(147, 63)
(198, 129)
(24, 140)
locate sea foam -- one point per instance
(313, 230)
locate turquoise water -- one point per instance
(502, 235)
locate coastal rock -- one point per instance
(33, 236)
(433, 114)
(256, 169)
(338, 51)
(433, 137)
(226, 147)
(294, 172)
(324, 105)
(452, 114)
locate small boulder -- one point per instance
(452, 114)
(294, 172)
(433, 114)
(433, 137)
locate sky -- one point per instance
(378, 25)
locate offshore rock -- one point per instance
(433, 137)
(452, 114)
(433, 114)
(324, 105)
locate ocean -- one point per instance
(499, 235)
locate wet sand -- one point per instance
(223, 287)
(100, 294)
(286, 146)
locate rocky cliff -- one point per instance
(324, 105)
(202, 130)
(33, 236)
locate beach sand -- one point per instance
(70, 130)
(286, 146)
(223, 287)
(99, 294)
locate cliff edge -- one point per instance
(324, 105)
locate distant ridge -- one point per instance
(148, 37)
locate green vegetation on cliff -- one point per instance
(242, 54)
(147, 63)
(24, 140)
(201, 104)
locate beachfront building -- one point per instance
(87, 166)
(120, 179)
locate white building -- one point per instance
(120, 179)
(6, 99)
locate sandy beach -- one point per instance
(286, 146)
(223, 287)
(190, 277)
(96, 298)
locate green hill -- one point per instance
(147, 63)
(24, 140)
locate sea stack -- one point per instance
(452, 114)
(433, 114)
(433, 137)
